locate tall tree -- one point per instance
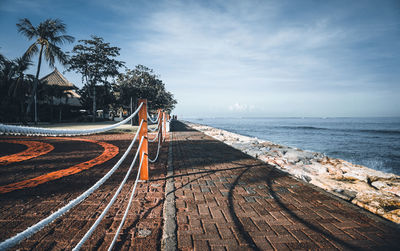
(14, 86)
(7, 76)
(95, 60)
(141, 82)
(2, 60)
(20, 86)
(48, 34)
(20, 65)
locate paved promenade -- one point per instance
(224, 199)
(227, 200)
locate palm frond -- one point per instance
(32, 50)
(58, 25)
(62, 39)
(26, 28)
(22, 64)
(53, 52)
(2, 59)
(49, 56)
(51, 28)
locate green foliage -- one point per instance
(95, 60)
(14, 87)
(141, 82)
(48, 35)
(104, 97)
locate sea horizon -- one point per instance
(280, 117)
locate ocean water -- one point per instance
(371, 142)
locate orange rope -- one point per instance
(110, 151)
(35, 149)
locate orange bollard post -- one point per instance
(160, 125)
(164, 127)
(144, 171)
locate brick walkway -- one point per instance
(227, 200)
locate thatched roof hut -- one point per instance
(57, 79)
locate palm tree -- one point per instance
(2, 60)
(21, 64)
(48, 34)
(20, 85)
(14, 85)
(6, 79)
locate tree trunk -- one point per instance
(35, 84)
(94, 103)
(51, 113)
(59, 117)
(21, 111)
(136, 118)
(132, 120)
(51, 109)
(66, 103)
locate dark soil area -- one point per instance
(22, 208)
(9, 148)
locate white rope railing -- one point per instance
(152, 120)
(167, 125)
(152, 129)
(27, 130)
(152, 140)
(10, 242)
(97, 222)
(158, 151)
(127, 207)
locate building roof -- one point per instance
(56, 78)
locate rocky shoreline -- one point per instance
(373, 190)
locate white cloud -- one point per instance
(236, 107)
(247, 50)
(217, 56)
(219, 49)
(17, 5)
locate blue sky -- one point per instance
(242, 58)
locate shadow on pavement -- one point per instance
(177, 126)
(219, 153)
